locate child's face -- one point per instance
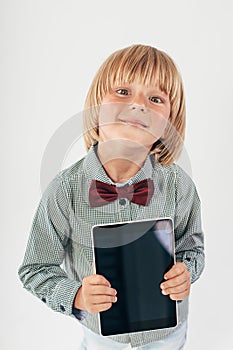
(134, 112)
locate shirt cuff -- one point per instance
(64, 295)
(79, 314)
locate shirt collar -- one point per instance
(95, 171)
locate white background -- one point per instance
(50, 51)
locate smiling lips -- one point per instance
(136, 123)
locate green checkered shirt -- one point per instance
(59, 250)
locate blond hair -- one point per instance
(150, 66)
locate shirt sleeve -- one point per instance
(187, 225)
(41, 272)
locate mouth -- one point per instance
(136, 123)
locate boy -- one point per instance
(134, 124)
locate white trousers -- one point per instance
(93, 341)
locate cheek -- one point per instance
(159, 125)
(108, 113)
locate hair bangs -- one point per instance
(144, 64)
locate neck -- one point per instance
(121, 159)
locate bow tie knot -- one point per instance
(101, 193)
(125, 191)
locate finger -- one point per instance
(96, 279)
(102, 290)
(176, 281)
(177, 289)
(176, 270)
(103, 299)
(180, 296)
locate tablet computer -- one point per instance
(134, 256)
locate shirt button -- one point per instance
(62, 308)
(122, 201)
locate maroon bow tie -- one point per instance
(101, 193)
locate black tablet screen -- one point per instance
(134, 257)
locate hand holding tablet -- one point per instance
(95, 295)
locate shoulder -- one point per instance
(60, 185)
(72, 172)
(178, 177)
(184, 184)
(180, 174)
(175, 171)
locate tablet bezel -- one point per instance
(147, 325)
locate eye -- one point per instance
(156, 99)
(122, 92)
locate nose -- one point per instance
(140, 108)
(138, 103)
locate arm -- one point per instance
(188, 228)
(41, 271)
(189, 240)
